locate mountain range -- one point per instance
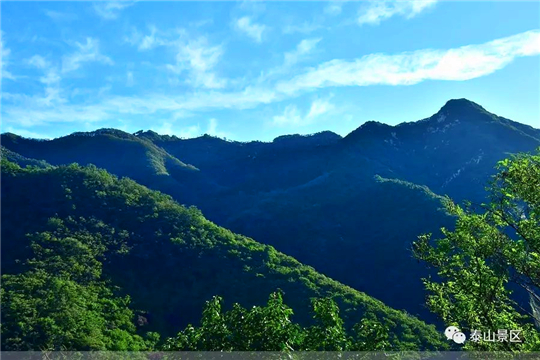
(346, 207)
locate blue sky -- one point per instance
(255, 70)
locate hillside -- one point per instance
(80, 233)
(21, 160)
(320, 198)
(453, 152)
(119, 152)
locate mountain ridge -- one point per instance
(454, 107)
(294, 192)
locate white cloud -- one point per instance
(290, 58)
(375, 11)
(164, 129)
(303, 28)
(199, 58)
(51, 79)
(110, 10)
(305, 47)
(60, 16)
(26, 133)
(334, 8)
(213, 129)
(292, 116)
(255, 7)
(319, 107)
(251, 29)
(189, 132)
(88, 52)
(4, 56)
(149, 41)
(201, 23)
(194, 56)
(156, 38)
(129, 79)
(38, 61)
(464, 63)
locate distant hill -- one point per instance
(76, 232)
(119, 152)
(347, 206)
(21, 160)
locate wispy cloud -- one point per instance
(148, 41)
(38, 61)
(51, 79)
(375, 11)
(129, 79)
(145, 42)
(88, 52)
(305, 47)
(290, 58)
(292, 116)
(319, 107)
(201, 23)
(198, 58)
(302, 28)
(194, 56)
(213, 129)
(25, 133)
(4, 56)
(334, 8)
(253, 30)
(60, 16)
(191, 131)
(464, 63)
(110, 10)
(164, 129)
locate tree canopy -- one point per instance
(489, 265)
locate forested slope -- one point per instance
(77, 242)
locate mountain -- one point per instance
(119, 152)
(453, 152)
(350, 207)
(21, 160)
(102, 261)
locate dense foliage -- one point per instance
(61, 301)
(490, 264)
(135, 264)
(269, 328)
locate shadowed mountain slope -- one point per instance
(169, 259)
(346, 206)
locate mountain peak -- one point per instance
(102, 131)
(461, 106)
(369, 129)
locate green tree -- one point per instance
(61, 302)
(270, 328)
(491, 259)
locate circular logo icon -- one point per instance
(450, 331)
(459, 338)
